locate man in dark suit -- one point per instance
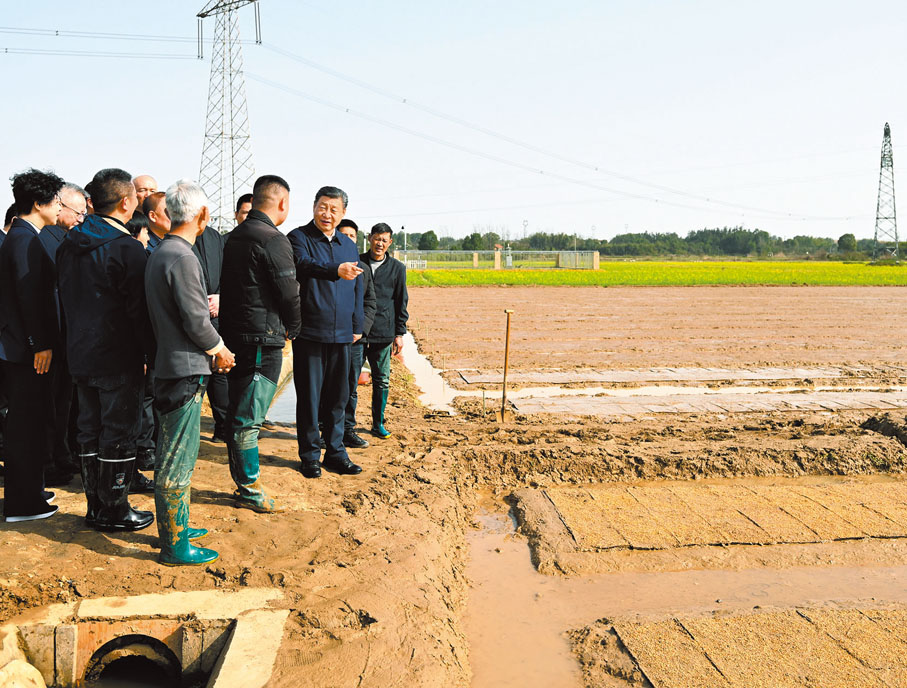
(327, 265)
(28, 337)
(209, 249)
(62, 469)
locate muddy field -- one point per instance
(643, 327)
(375, 567)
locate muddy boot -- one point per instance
(254, 497)
(88, 458)
(114, 511)
(173, 527)
(379, 403)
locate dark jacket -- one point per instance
(28, 312)
(178, 306)
(101, 278)
(331, 307)
(392, 298)
(259, 296)
(368, 299)
(51, 237)
(209, 249)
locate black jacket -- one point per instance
(259, 295)
(209, 249)
(331, 307)
(28, 312)
(391, 297)
(101, 280)
(369, 304)
(51, 237)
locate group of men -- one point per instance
(128, 296)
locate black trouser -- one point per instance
(110, 409)
(147, 437)
(219, 398)
(357, 356)
(27, 448)
(170, 395)
(321, 375)
(63, 389)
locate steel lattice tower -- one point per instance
(886, 217)
(226, 169)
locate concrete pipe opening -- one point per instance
(133, 661)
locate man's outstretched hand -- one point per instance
(349, 271)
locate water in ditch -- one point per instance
(517, 618)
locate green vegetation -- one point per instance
(724, 241)
(676, 274)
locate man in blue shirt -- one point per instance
(327, 264)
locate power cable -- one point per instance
(510, 163)
(94, 53)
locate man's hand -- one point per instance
(42, 361)
(214, 305)
(349, 271)
(397, 346)
(223, 360)
(356, 338)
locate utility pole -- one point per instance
(226, 168)
(886, 217)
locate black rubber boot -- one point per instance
(141, 484)
(114, 511)
(88, 460)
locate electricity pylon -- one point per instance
(226, 169)
(886, 217)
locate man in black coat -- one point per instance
(28, 335)
(386, 336)
(101, 271)
(60, 472)
(259, 312)
(209, 249)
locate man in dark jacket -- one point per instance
(28, 336)
(332, 319)
(386, 336)
(351, 439)
(209, 249)
(259, 311)
(60, 472)
(100, 272)
(178, 305)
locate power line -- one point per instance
(510, 163)
(94, 53)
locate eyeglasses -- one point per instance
(80, 215)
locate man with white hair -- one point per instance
(187, 343)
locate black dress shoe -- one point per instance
(219, 438)
(342, 466)
(354, 441)
(311, 470)
(141, 485)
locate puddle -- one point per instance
(517, 617)
(437, 395)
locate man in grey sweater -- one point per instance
(186, 343)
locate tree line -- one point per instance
(724, 241)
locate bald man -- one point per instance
(145, 185)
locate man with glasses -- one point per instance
(60, 472)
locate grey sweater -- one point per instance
(178, 306)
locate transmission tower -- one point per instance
(226, 168)
(886, 217)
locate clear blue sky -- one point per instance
(774, 105)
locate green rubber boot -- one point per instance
(379, 403)
(173, 527)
